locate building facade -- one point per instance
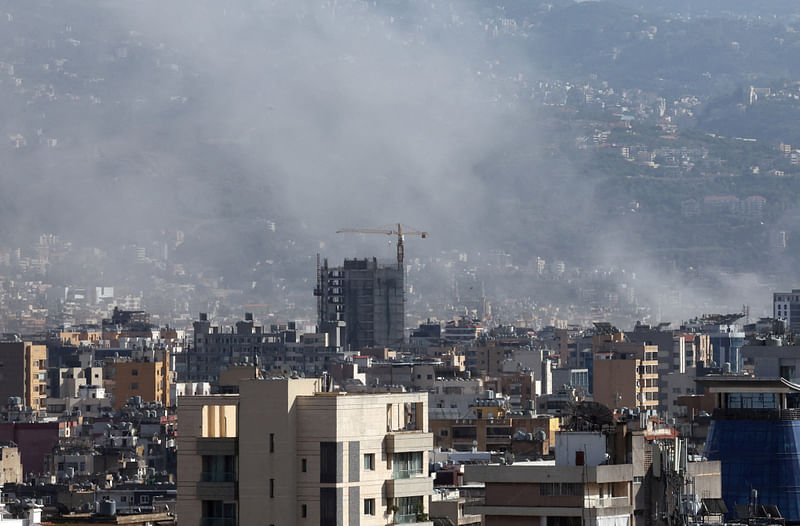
(626, 375)
(786, 306)
(555, 495)
(368, 297)
(146, 378)
(24, 373)
(755, 433)
(306, 457)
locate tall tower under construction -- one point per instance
(368, 297)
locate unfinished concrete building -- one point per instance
(368, 297)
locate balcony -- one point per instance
(217, 476)
(216, 446)
(217, 490)
(410, 519)
(408, 441)
(409, 487)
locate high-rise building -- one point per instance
(24, 373)
(283, 451)
(368, 297)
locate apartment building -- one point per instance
(616, 477)
(288, 452)
(786, 306)
(368, 297)
(561, 495)
(147, 376)
(24, 373)
(626, 375)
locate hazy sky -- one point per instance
(318, 115)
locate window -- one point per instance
(327, 506)
(405, 465)
(303, 465)
(272, 442)
(369, 462)
(327, 462)
(444, 432)
(271, 488)
(303, 510)
(218, 468)
(407, 509)
(215, 510)
(134, 372)
(561, 489)
(465, 432)
(369, 506)
(134, 385)
(144, 499)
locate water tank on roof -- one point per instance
(107, 508)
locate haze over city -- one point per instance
(257, 129)
(381, 262)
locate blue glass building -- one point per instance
(755, 434)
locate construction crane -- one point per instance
(398, 231)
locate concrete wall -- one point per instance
(615, 383)
(34, 440)
(10, 465)
(593, 446)
(12, 374)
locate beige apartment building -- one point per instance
(24, 373)
(555, 495)
(284, 452)
(626, 375)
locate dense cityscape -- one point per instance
(348, 262)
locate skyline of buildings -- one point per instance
(463, 392)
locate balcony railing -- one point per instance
(217, 476)
(756, 414)
(605, 502)
(406, 473)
